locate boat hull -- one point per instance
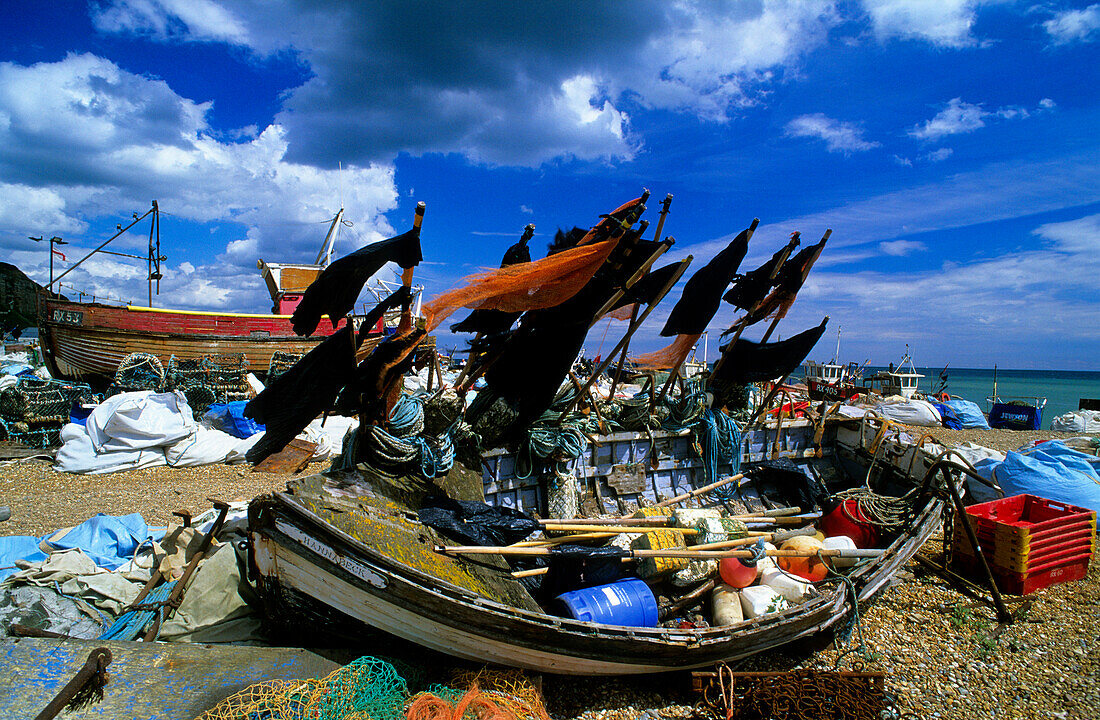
(300, 555)
(317, 551)
(87, 341)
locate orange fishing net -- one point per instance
(626, 312)
(528, 286)
(492, 695)
(669, 357)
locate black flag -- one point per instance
(336, 288)
(489, 321)
(750, 362)
(311, 385)
(752, 287)
(703, 292)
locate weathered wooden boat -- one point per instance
(346, 549)
(86, 341)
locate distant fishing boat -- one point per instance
(903, 380)
(86, 341)
(1014, 412)
(832, 380)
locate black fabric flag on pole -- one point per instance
(703, 292)
(311, 385)
(489, 321)
(752, 287)
(335, 290)
(751, 362)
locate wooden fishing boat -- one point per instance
(86, 341)
(346, 550)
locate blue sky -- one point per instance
(951, 145)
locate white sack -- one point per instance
(330, 437)
(78, 455)
(1084, 421)
(206, 446)
(911, 412)
(136, 420)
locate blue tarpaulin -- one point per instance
(968, 413)
(949, 418)
(18, 547)
(229, 418)
(108, 540)
(1051, 470)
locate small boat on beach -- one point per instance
(86, 340)
(902, 380)
(345, 551)
(832, 380)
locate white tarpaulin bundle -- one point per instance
(1082, 421)
(146, 429)
(137, 420)
(911, 412)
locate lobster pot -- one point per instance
(561, 496)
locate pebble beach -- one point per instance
(941, 649)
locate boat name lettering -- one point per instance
(68, 317)
(357, 569)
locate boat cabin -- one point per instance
(829, 373)
(903, 380)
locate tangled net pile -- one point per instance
(373, 688)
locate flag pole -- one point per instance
(780, 316)
(528, 233)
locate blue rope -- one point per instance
(564, 441)
(407, 417)
(130, 624)
(720, 441)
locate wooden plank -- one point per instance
(157, 681)
(291, 459)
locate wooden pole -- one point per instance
(665, 553)
(700, 491)
(676, 370)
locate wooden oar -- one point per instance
(661, 520)
(666, 553)
(634, 529)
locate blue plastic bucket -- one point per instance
(626, 602)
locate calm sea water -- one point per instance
(1062, 388)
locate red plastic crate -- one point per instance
(1031, 581)
(1029, 542)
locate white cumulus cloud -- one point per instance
(194, 20)
(839, 136)
(1070, 26)
(78, 159)
(947, 23)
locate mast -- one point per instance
(837, 356)
(330, 240)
